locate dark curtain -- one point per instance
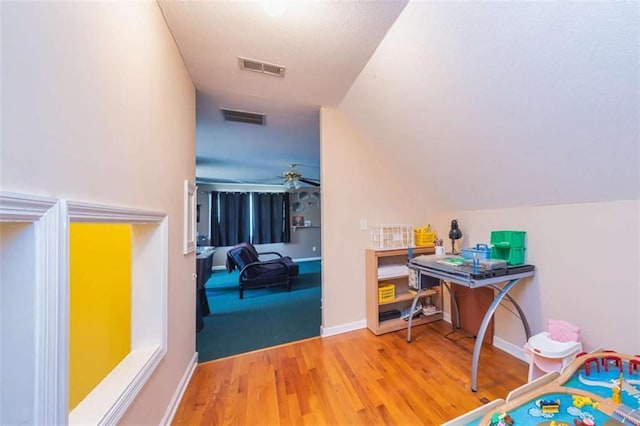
(229, 218)
(287, 219)
(271, 218)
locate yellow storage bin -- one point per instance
(424, 237)
(386, 292)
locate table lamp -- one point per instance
(454, 234)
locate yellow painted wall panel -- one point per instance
(100, 303)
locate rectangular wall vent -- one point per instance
(262, 67)
(243, 116)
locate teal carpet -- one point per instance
(265, 317)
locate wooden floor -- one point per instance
(355, 378)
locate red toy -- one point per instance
(615, 359)
(587, 365)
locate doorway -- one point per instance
(264, 317)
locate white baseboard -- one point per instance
(177, 395)
(307, 259)
(343, 328)
(358, 325)
(509, 348)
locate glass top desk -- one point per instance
(432, 266)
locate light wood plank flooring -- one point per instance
(355, 378)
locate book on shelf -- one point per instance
(406, 312)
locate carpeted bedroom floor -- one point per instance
(264, 318)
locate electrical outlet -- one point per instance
(363, 224)
(313, 248)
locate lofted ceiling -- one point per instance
(323, 46)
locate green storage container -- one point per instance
(508, 239)
(513, 256)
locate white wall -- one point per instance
(502, 115)
(587, 272)
(507, 103)
(357, 183)
(98, 107)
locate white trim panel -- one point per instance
(97, 213)
(49, 299)
(23, 207)
(109, 400)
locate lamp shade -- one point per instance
(455, 233)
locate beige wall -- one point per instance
(357, 183)
(586, 255)
(499, 115)
(98, 107)
(587, 272)
(507, 104)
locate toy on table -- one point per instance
(616, 390)
(571, 397)
(580, 401)
(583, 422)
(501, 419)
(548, 406)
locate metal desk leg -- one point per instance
(455, 304)
(413, 306)
(523, 317)
(483, 329)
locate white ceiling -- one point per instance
(323, 45)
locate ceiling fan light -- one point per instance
(292, 183)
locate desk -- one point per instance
(204, 262)
(429, 266)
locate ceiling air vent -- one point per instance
(263, 67)
(242, 116)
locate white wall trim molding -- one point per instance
(189, 226)
(182, 387)
(343, 328)
(48, 395)
(53, 313)
(88, 212)
(23, 207)
(109, 400)
(510, 348)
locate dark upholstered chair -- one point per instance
(256, 272)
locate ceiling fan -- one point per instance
(293, 177)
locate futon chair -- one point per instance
(258, 273)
